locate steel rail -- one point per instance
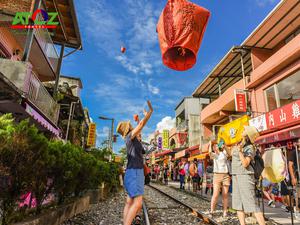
(199, 214)
(146, 216)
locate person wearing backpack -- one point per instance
(193, 169)
(243, 196)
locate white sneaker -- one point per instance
(270, 202)
(273, 205)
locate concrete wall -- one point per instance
(61, 214)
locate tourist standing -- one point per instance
(181, 174)
(209, 177)
(193, 169)
(134, 175)
(221, 178)
(243, 196)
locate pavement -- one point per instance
(277, 214)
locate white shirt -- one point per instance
(220, 162)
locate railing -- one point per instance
(45, 41)
(41, 98)
(22, 76)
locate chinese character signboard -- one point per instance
(91, 135)
(259, 123)
(240, 100)
(165, 139)
(286, 115)
(159, 143)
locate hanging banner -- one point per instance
(260, 123)
(240, 100)
(284, 116)
(165, 139)
(91, 140)
(159, 143)
(231, 132)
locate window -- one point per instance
(283, 92)
(289, 89)
(271, 98)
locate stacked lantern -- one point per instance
(180, 31)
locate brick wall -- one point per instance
(13, 6)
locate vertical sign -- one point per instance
(159, 143)
(91, 135)
(240, 100)
(165, 139)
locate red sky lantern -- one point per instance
(123, 49)
(180, 31)
(136, 118)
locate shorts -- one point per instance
(221, 179)
(283, 188)
(134, 182)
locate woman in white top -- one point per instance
(221, 177)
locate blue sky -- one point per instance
(117, 85)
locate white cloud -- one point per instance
(103, 133)
(154, 90)
(263, 3)
(166, 123)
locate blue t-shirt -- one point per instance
(135, 152)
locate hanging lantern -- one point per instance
(180, 31)
(123, 49)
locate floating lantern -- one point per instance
(136, 117)
(123, 49)
(180, 31)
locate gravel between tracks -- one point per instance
(108, 212)
(164, 211)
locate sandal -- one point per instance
(137, 220)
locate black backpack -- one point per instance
(257, 165)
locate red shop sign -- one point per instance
(240, 100)
(286, 115)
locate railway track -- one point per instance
(164, 209)
(201, 205)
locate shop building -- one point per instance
(29, 57)
(265, 67)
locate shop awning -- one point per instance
(41, 120)
(200, 156)
(282, 135)
(163, 153)
(180, 154)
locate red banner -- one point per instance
(284, 116)
(240, 101)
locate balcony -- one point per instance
(183, 126)
(21, 75)
(46, 44)
(43, 55)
